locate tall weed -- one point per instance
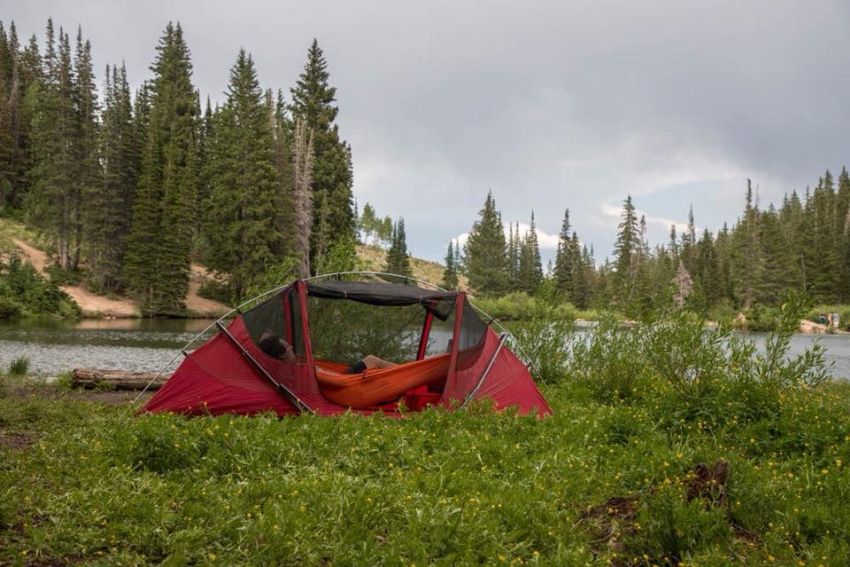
(543, 340)
(609, 361)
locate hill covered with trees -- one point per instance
(130, 188)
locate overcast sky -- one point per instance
(548, 104)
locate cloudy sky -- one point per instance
(548, 104)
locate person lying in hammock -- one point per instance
(276, 347)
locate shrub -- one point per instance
(65, 381)
(544, 339)
(215, 290)
(9, 309)
(519, 306)
(673, 528)
(19, 366)
(60, 276)
(20, 284)
(607, 360)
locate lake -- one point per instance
(149, 344)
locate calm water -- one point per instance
(133, 344)
(127, 344)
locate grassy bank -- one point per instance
(668, 445)
(520, 306)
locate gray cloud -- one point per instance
(549, 104)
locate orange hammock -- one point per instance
(377, 384)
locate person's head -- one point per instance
(276, 347)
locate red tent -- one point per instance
(331, 324)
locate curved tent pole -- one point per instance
(486, 372)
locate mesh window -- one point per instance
(440, 337)
(346, 331)
(472, 328)
(277, 317)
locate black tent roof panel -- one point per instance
(378, 293)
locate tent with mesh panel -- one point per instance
(443, 350)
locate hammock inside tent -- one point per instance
(377, 385)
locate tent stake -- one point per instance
(287, 393)
(484, 374)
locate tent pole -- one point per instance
(287, 393)
(423, 338)
(484, 374)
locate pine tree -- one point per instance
(313, 102)
(485, 253)
(302, 201)
(160, 241)
(53, 203)
(514, 247)
(673, 244)
(205, 135)
(779, 264)
(530, 266)
(842, 231)
(584, 275)
(283, 146)
(450, 280)
(791, 227)
(821, 255)
(87, 184)
(565, 259)
(627, 250)
(398, 260)
(245, 197)
(689, 241)
(107, 219)
(748, 260)
(723, 247)
(20, 70)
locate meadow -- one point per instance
(668, 446)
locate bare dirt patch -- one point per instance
(94, 305)
(201, 306)
(16, 439)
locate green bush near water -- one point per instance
(608, 479)
(23, 292)
(518, 306)
(19, 366)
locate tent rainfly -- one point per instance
(445, 355)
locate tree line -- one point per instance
(131, 187)
(802, 244)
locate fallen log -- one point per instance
(90, 378)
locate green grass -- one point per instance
(19, 366)
(608, 479)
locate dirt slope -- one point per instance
(94, 305)
(373, 258)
